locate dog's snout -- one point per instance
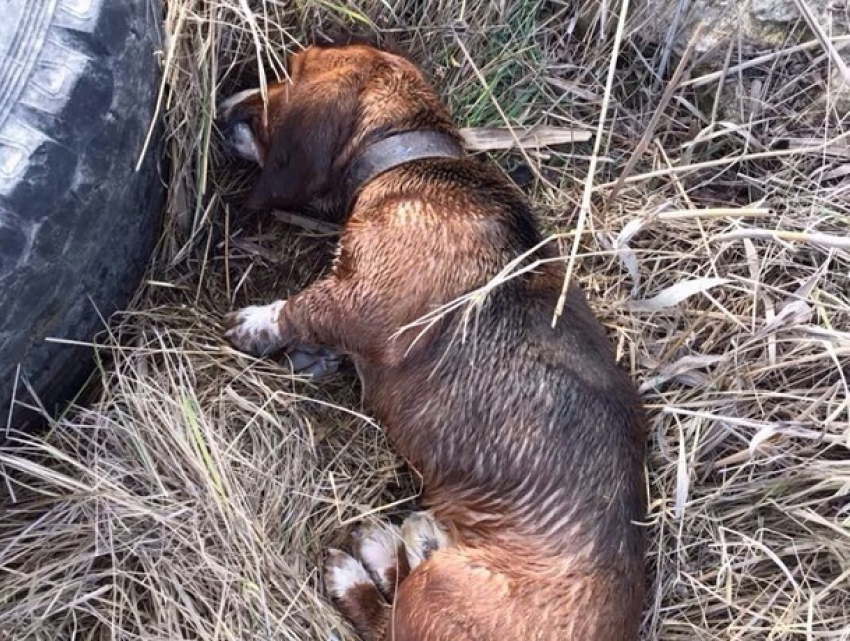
(235, 121)
(240, 140)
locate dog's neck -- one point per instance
(395, 150)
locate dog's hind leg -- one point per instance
(365, 582)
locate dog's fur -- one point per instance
(529, 438)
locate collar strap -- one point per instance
(396, 150)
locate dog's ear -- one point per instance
(308, 135)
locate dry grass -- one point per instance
(194, 497)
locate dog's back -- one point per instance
(529, 438)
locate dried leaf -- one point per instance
(682, 371)
(629, 230)
(574, 88)
(675, 294)
(493, 138)
(683, 480)
(762, 437)
(796, 312)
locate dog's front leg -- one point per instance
(311, 317)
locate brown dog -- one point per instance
(528, 437)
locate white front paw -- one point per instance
(257, 329)
(344, 573)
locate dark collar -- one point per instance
(396, 150)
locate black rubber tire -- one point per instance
(78, 87)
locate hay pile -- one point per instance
(195, 496)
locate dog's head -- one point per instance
(339, 99)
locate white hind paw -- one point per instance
(422, 537)
(378, 546)
(343, 573)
